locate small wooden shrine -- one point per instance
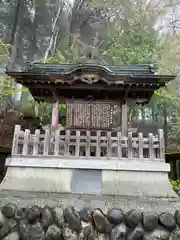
(89, 89)
(96, 136)
(97, 99)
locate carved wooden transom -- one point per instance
(88, 78)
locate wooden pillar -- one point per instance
(124, 119)
(55, 116)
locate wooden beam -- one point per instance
(96, 86)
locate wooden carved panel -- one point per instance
(93, 114)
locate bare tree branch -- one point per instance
(59, 11)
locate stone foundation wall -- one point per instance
(103, 177)
(35, 223)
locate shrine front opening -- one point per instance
(96, 147)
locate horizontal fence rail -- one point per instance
(84, 143)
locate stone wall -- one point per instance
(35, 223)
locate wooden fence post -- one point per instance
(56, 142)
(129, 144)
(109, 150)
(77, 149)
(26, 142)
(46, 142)
(151, 148)
(88, 143)
(140, 143)
(161, 144)
(66, 144)
(119, 145)
(98, 144)
(15, 144)
(36, 142)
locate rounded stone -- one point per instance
(47, 217)
(2, 219)
(115, 216)
(12, 236)
(11, 223)
(100, 221)
(177, 217)
(9, 226)
(24, 227)
(133, 218)
(150, 221)
(33, 214)
(86, 231)
(90, 236)
(137, 234)
(36, 232)
(21, 213)
(157, 234)
(85, 214)
(119, 232)
(175, 235)
(53, 233)
(9, 210)
(167, 220)
(72, 217)
(69, 235)
(4, 231)
(58, 215)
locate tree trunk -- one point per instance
(31, 56)
(54, 29)
(15, 22)
(15, 36)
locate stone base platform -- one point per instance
(88, 176)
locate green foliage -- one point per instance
(68, 54)
(129, 40)
(56, 59)
(3, 52)
(135, 46)
(174, 133)
(6, 86)
(175, 184)
(44, 110)
(126, 34)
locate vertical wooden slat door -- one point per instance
(93, 114)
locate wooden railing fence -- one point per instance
(84, 143)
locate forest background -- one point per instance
(117, 32)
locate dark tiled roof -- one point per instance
(46, 80)
(65, 69)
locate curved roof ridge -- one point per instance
(65, 69)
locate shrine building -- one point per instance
(95, 152)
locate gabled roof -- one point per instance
(43, 79)
(133, 73)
